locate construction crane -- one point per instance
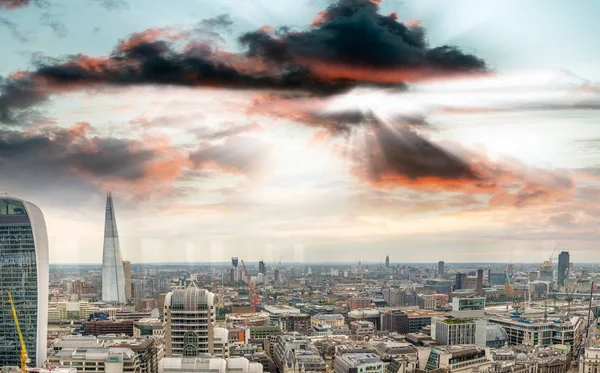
(250, 288)
(24, 356)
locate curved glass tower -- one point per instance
(113, 275)
(23, 272)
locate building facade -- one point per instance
(113, 274)
(189, 322)
(24, 271)
(563, 267)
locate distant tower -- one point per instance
(234, 263)
(127, 272)
(458, 282)
(113, 274)
(262, 268)
(480, 282)
(563, 267)
(387, 261)
(441, 268)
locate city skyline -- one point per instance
(223, 133)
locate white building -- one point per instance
(189, 322)
(209, 364)
(590, 360)
(359, 362)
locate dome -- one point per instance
(495, 333)
(521, 357)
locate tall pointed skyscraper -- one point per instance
(113, 275)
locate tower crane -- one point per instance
(24, 357)
(250, 288)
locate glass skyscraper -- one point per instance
(113, 274)
(23, 272)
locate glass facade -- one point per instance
(23, 272)
(113, 274)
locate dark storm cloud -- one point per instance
(350, 32)
(400, 155)
(64, 149)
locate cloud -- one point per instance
(236, 154)
(52, 21)
(352, 37)
(138, 166)
(14, 29)
(563, 219)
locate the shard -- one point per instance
(113, 275)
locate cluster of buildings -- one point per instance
(312, 318)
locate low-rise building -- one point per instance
(590, 360)
(358, 362)
(334, 320)
(457, 359)
(294, 353)
(361, 330)
(209, 364)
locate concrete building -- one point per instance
(371, 315)
(294, 353)
(295, 322)
(149, 327)
(546, 271)
(589, 361)
(275, 312)
(450, 331)
(543, 333)
(468, 307)
(113, 275)
(459, 359)
(360, 330)
(426, 302)
(97, 360)
(209, 364)
(333, 320)
(189, 322)
(24, 272)
(360, 362)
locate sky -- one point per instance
(308, 130)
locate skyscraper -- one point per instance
(23, 272)
(113, 275)
(563, 267)
(479, 289)
(262, 268)
(127, 272)
(387, 261)
(441, 268)
(190, 317)
(234, 264)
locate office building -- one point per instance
(441, 268)
(451, 331)
(458, 282)
(127, 274)
(497, 277)
(295, 353)
(387, 261)
(99, 327)
(234, 273)
(113, 275)
(97, 360)
(371, 315)
(334, 320)
(459, 359)
(209, 364)
(359, 302)
(295, 322)
(358, 362)
(360, 330)
(479, 288)
(24, 272)
(262, 268)
(546, 271)
(426, 302)
(542, 332)
(275, 312)
(468, 307)
(189, 322)
(563, 267)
